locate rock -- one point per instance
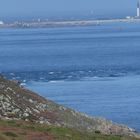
(17, 103)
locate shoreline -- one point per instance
(48, 24)
(21, 104)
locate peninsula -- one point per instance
(49, 23)
(46, 24)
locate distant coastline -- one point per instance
(46, 24)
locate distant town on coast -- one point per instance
(43, 23)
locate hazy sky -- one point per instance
(54, 7)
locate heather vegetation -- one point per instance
(24, 115)
(20, 130)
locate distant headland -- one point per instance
(49, 23)
(45, 24)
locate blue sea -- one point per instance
(93, 69)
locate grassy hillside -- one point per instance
(42, 119)
(20, 130)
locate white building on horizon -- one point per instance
(138, 9)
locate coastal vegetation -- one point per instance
(26, 115)
(20, 130)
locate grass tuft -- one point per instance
(10, 134)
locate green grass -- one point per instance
(70, 134)
(58, 133)
(10, 134)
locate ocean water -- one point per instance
(94, 69)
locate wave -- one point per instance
(70, 75)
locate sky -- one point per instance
(42, 8)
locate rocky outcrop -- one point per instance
(18, 103)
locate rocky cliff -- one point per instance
(18, 103)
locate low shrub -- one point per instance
(10, 134)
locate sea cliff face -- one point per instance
(18, 103)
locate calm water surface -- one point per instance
(93, 69)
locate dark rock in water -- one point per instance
(17, 103)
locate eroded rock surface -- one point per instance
(18, 103)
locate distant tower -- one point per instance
(138, 9)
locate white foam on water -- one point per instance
(106, 97)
